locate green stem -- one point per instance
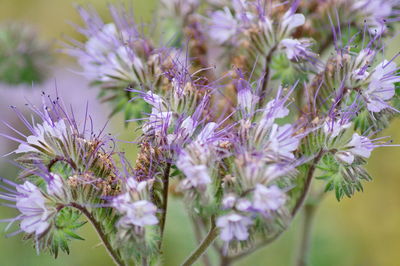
(202, 248)
(113, 253)
(266, 75)
(307, 184)
(306, 235)
(198, 234)
(164, 201)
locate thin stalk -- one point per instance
(307, 184)
(267, 71)
(165, 201)
(306, 235)
(113, 253)
(202, 248)
(198, 234)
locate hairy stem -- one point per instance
(307, 184)
(198, 234)
(267, 72)
(164, 201)
(113, 253)
(202, 248)
(305, 241)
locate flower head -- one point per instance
(267, 199)
(34, 208)
(297, 49)
(32, 205)
(234, 227)
(139, 213)
(358, 146)
(381, 88)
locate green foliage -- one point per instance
(367, 121)
(66, 223)
(286, 71)
(343, 178)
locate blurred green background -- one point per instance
(364, 230)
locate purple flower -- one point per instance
(333, 127)
(358, 146)
(41, 134)
(381, 88)
(197, 175)
(55, 185)
(228, 202)
(140, 213)
(282, 141)
(32, 205)
(266, 199)
(297, 49)
(114, 54)
(224, 25)
(234, 227)
(376, 12)
(274, 109)
(363, 60)
(291, 20)
(246, 99)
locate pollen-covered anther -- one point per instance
(225, 145)
(228, 179)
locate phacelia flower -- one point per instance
(234, 227)
(282, 142)
(382, 88)
(140, 213)
(333, 127)
(297, 49)
(376, 12)
(197, 176)
(55, 185)
(358, 146)
(41, 133)
(32, 205)
(268, 199)
(291, 20)
(224, 25)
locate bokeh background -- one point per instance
(364, 230)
